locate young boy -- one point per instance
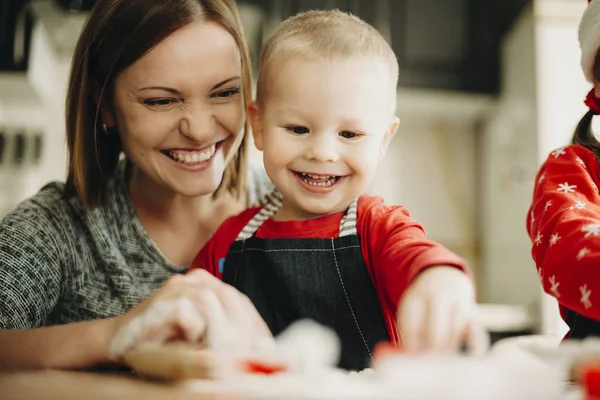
(319, 248)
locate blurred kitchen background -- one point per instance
(487, 89)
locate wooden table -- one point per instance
(71, 385)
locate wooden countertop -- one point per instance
(72, 385)
(75, 385)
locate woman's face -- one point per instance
(180, 110)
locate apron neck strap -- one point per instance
(271, 204)
(348, 224)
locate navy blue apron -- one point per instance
(581, 327)
(325, 280)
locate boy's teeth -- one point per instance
(319, 177)
(318, 180)
(192, 157)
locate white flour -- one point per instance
(310, 351)
(305, 345)
(403, 378)
(153, 325)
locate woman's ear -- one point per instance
(389, 134)
(99, 93)
(255, 119)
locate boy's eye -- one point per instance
(298, 130)
(349, 134)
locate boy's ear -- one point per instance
(255, 119)
(97, 93)
(389, 134)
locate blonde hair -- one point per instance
(322, 34)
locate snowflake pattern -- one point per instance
(591, 229)
(554, 286)
(568, 191)
(580, 205)
(585, 296)
(566, 188)
(559, 152)
(582, 253)
(541, 179)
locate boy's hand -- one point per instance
(437, 313)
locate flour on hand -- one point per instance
(162, 322)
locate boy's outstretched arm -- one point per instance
(427, 286)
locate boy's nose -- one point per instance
(323, 149)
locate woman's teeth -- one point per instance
(318, 180)
(192, 157)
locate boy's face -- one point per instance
(323, 129)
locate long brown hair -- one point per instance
(116, 35)
(583, 135)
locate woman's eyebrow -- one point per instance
(175, 91)
(168, 89)
(226, 81)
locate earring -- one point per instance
(104, 128)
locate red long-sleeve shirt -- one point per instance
(394, 246)
(564, 226)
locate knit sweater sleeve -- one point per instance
(30, 264)
(564, 226)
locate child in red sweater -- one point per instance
(319, 248)
(564, 218)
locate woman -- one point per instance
(165, 83)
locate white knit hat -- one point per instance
(589, 38)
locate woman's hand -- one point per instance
(437, 313)
(196, 308)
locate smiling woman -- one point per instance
(171, 114)
(156, 133)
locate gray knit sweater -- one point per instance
(60, 263)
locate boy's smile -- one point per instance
(323, 130)
(318, 183)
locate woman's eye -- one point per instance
(298, 130)
(349, 134)
(227, 93)
(159, 102)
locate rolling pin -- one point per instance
(178, 361)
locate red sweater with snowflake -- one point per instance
(393, 245)
(564, 226)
